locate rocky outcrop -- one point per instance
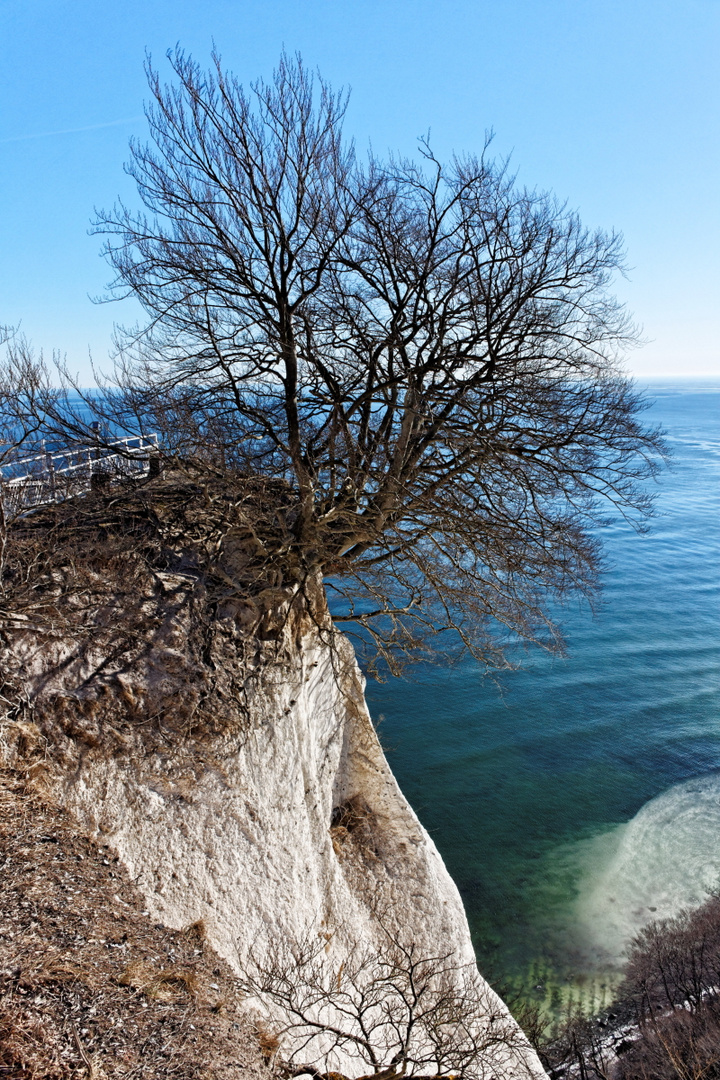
(282, 824)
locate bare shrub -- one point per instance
(145, 606)
(675, 963)
(387, 1013)
(577, 1046)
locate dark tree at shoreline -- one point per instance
(424, 357)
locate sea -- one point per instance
(574, 800)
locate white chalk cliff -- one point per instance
(285, 824)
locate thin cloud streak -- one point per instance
(71, 131)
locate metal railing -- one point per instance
(53, 476)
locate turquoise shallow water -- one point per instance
(540, 795)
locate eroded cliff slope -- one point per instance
(241, 783)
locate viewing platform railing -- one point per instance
(51, 476)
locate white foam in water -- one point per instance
(666, 858)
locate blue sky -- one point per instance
(614, 105)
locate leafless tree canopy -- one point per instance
(425, 355)
(25, 394)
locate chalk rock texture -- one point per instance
(285, 824)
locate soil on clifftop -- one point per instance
(90, 986)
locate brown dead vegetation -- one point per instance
(90, 986)
(354, 828)
(144, 611)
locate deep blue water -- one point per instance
(540, 795)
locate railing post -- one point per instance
(50, 466)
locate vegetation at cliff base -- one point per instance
(664, 1023)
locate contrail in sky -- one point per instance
(71, 131)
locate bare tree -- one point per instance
(26, 393)
(384, 1014)
(424, 356)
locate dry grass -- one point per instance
(90, 986)
(353, 828)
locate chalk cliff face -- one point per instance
(247, 842)
(284, 825)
